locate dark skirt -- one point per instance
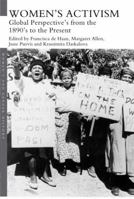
(15, 155)
(44, 153)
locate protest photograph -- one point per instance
(70, 122)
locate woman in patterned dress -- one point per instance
(67, 127)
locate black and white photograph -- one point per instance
(70, 122)
(66, 98)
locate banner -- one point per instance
(129, 109)
(33, 122)
(100, 96)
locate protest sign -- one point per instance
(129, 109)
(33, 122)
(99, 96)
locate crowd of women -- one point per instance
(108, 153)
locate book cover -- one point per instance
(54, 141)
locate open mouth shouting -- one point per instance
(37, 73)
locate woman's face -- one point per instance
(127, 78)
(37, 73)
(67, 80)
(83, 68)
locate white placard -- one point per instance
(33, 123)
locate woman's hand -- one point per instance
(90, 117)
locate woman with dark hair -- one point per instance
(35, 86)
(67, 127)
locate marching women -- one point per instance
(68, 134)
(84, 138)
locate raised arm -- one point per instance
(16, 71)
(16, 62)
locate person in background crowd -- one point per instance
(125, 59)
(131, 65)
(84, 68)
(37, 86)
(120, 150)
(67, 128)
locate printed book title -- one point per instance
(69, 13)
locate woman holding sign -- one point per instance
(120, 150)
(67, 127)
(36, 96)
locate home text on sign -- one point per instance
(99, 96)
